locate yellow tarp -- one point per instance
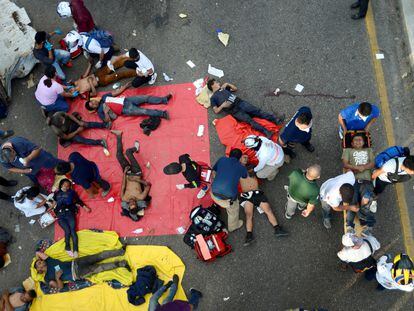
(102, 297)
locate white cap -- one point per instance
(63, 9)
(73, 40)
(350, 240)
(251, 141)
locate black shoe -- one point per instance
(357, 16)
(309, 147)
(168, 285)
(249, 239)
(169, 96)
(165, 115)
(11, 183)
(193, 290)
(355, 5)
(7, 134)
(291, 154)
(279, 232)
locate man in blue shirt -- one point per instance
(224, 190)
(84, 173)
(357, 117)
(297, 130)
(21, 156)
(223, 99)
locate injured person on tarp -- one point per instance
(135, 190)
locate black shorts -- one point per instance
(256, 197)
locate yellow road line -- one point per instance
(389, 131)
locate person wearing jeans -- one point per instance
(172, 286)
(6, 183)
(61, 57)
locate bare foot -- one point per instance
(116, 132)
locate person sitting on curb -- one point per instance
(297, 130)
(393, 171)
(358, 254)
(17, 299)
(109, 106)
(223, 99)
(338, 194)
(252, 197)
(303, 191)
(191, 171)
(269, 154)
(357, 117)
(135, 190)
(227, 173)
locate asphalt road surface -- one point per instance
(272, 44)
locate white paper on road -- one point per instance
(138, 231)
(299, 88)
(259, 209)
(379, 56)
(191, 64)
(215, 71)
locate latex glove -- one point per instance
(98, 65)
(58, 31)
(110, 66)
(180, 186)
(48, 46)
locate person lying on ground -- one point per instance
(68, 128)
(250, 198)
(269, 154)
(136, 60)
(338, 194)
(393, 171)
(56, 272)
(135, 190)
(297, 130)
(30, 201)
(84, 173)
(65, 207)
(21, 156)
(357, 117)
(191, 171)
(76, 9)
(51, 94)
(109, 106)
(223, 99)
(17, 299)
(303, 191)
(6, 183)
(47, 55)
(395, 274)
(358, 159)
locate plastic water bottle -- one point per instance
(200, 130)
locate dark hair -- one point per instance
(6, 154)
(55, 120)
(304, 118)
(32, 293)
(88, 106)
(63, 181)
(133, 53)
(347, 193)
(63, 168)
(50, 73)
(2, 261)
(40, 36)
(30, 193)
(358, 135)
(210, 84)
(172, 168)
(236, 153)
(365, 109)
(409, 162)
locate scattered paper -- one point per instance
(379, 56)
(224, 38)
(226, 298)
(191, 64)
(215, 71)
(166, 77)
(259, 209)
(182, 15)
(200, 131)
(148, 164)
(138, 231)
(17, 228)
(181, 230)
(134, 33)
(111, 199)
(19, 247)
(32, 221)
(277, 91)
(299, 88)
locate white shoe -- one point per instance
(373, 207)
(153, 79)
(201, 194)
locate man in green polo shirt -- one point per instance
(303, 191)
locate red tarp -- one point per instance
(170, 207)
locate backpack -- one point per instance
(104, 38)
(395, 177)
(390, 153)
(208, 248)
(150, 124)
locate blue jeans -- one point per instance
(101, 182)
(132, 106)
(87, 141)
(194, 299)
(61, 57)
(326, 210)
(153, 305)
(66, 221)
(59, 105)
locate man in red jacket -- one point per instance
(80, 14)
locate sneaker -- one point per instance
(136, 145)
(279, 232)
(309, 147)
(238, 226)
(201, 194)
(108, 125)
(175, 279)
(373, 207)
(327, 223)
(350, 230)
(116, 132)
(104, 144)
(301, 207)
(166, 115)
(248, 240)
(8, 133)
(287, 216)
(70, 253)
(153, 79)
(169, 96)
(75, 254)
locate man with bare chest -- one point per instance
(17, 299)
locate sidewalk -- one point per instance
(407, 13)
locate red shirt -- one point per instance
(81, 16)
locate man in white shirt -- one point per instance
(393, 171)
(143, 66)
(398, 274)
(94, 49)
(338, 194)
(269, 154)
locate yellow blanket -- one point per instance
(102, 297)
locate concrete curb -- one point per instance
(407, 10)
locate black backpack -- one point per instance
(395, 177)
(150, 124)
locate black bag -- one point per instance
(395, 177)
(150, 124)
